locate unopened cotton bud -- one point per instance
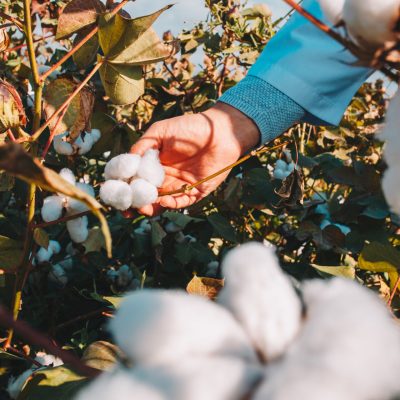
(76, 206)
(372, 22)
(62, 147)
(124, 167)
(150, 168)
(332, 9)
(52, 208)
(78, 229)
(116, 194)
(68, 175)
(143, 193)
(261, 297)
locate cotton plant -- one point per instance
(369, 23)
(82, 145)
(16, 384)
(258, 341)
(54, 206)
(132, 180)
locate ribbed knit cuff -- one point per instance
(270, 109)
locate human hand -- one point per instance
(193, 147)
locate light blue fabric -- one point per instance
(312, 69)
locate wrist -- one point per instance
(235, 127)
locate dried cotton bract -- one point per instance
(348, 348)
(190, 326)
(261, 297)
(143, 174)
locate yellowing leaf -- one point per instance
(41, 237)
(78, 14)
(124, 84)
(87, 53)
(378, 257)
(205, 287)
(78, 115)
(101, 355)
(10, 254)
(341, 270)
(95, 241)
(17, 162)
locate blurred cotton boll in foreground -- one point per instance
(342, 350)
(190, 326)
(372, 22)
(332, 9)
(261, 298)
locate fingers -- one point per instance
(151, 210)
(152, 139)
(180, 201)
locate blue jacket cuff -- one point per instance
(270, 109)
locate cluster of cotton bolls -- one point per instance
(369, 23)
(391, 135)
(16, 384)
(53, 208)
(283, 169)
(122, 277)
(81, 145)
(132, 180)
(254, 341)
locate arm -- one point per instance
(302, 75)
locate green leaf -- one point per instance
(117, 33)
(123, 84)
(10, 254)
(58, 383)
(222, 226)
(378, 257)
(180, 219)
(157, 234)
(86, 55)
(41, 237)
(78, 14)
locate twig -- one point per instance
(11, 135)
(222, 78)
(53, 133)
(81, 317)
(80, 44)
(23, 330)
(19, 24)
(21, 46)
(23, 355)
(188, 188)
(61, 220)
(396, 286)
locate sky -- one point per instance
(187, 13)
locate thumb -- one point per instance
(150, 140)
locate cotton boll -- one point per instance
(75, 206)
(192, 378)
(68, 175)
(124, 167)
(332, 9)
(391, 132)
(48, 359)
(16, 384)
(52, 208)
(54, 246)
(371, 22)
(151, 169)
(342, 350)
(143, 193)
(117, 194)
(261, 297)
(44, 255)
(390, 187)
(62, 147)
(78, 229)
(280, 174)
(86, 144)
(190, 326)
(96, 135)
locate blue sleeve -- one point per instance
(314, 72)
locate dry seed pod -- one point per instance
(4, 40)
(12, 113)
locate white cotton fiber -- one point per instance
(84, 145)
(96, 135)
(390, 187)
(78, 229)
(117, 194)
(390, 131)
(192, 378)
(143, 193)
(119, 384)
(348, 348)
(52, 208)
(261, 297)
(44, 255)
(61, 146)
(332, 9)
(48, 359)
(54, 246)
(124, 167)
(282, 169)
(76, 206)
(371, 22)
(158, 326)
(150, 168)
(68, 175)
